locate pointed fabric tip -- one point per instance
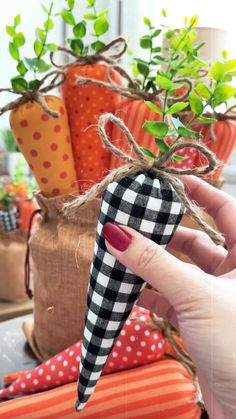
(148, 205)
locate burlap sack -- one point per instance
(61, 252)
(12, 259)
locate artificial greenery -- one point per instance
(182, 84)
(94, 23)
(25, 65)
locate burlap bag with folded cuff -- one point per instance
(61, 252)
(12, 259)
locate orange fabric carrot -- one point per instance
(46, 145)
(84, 106)
(134, 113)
(162, 390)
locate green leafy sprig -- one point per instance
(41, 47)
(93, 23)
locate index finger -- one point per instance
(218, 204)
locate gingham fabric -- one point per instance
(8, 219)
(148, 205)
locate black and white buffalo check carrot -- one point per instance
(150, 206)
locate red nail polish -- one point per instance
(116, 236)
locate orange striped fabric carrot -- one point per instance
(134, 113)
(162, 390)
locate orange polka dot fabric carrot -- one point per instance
(84, 106)
(134, 113)
(46, 145)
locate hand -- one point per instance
(201, 302)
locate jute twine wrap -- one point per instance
(158, 167)
(36, 94)
(180, 354)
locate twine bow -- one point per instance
(158, 167)
(36, 94)
(100, 56)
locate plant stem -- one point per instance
(46, 30)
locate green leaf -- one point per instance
(230, 65)
(169, 34)
(48, 24)
(147, 152)
(165, 83)
(10, 30)
(97, 46)
(44, 8)
(40, 35)
(193, 21)
(77, 45)
(51, 47)
(217, 71)
(156, 33)
(145, 42)
(147, 22)
(188, 133)
(91, 2)
(156, 49)
(156, 128)
(21, 68)
(100, 26)
(71, 4)
(40, 65)
(163, 12)
(38, 47)
(195, 103)
(103, 13)
(34, 84)
(17, 20)
(68, 17)
(176, 123)
(14, 51)
(177, 107)
(143, 69)
(205, 120)
(178, 158)
(90, 16)
(19, 39)
(203, 91)
(224, 54)
(162, 145)
(153, 107)
(79, 29)
(29, 63)
(223, 93)
(19, 84)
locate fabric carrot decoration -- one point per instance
(138, 344)
(84, 105)
(145, 197)
(46, 145)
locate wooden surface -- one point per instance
(9, 310)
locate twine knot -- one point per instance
(158, 167)
(36, 94)
(100, 56)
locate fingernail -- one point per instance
(116, 236)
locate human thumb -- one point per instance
(178, 282)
